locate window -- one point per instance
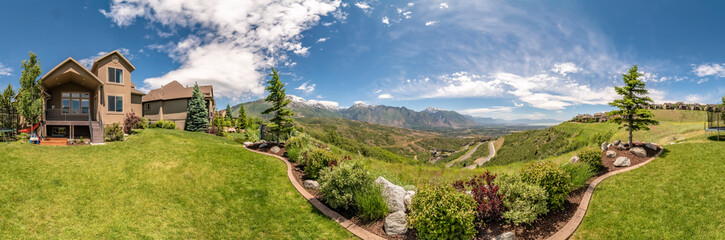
(74, 103)
(115, 103)
(115, 75)
(148, 106)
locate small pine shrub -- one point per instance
(114, 132)
(316, 161)
(370, 204)
(552, 178)
(579, 173)
(441, 212)
(338, 186)
(524, 202)
(592, 157)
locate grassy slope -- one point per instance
(158, 184)
(677, 196)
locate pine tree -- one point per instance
(197, 116)
(632, 114)
(282, 120)
(30, 99)
(228, 115)
(242, 121)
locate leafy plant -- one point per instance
(130, 122)
(370, 204)
(579, 173)
(592, 157)
(164, 124)
(316, 161)
(524, 202)
(339, 185)
(441, 212)
(551, 177)
(485, 192)
(114, 132)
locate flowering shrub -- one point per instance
(524, 202)
(441, 212)
(553, 179)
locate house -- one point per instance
(171, 102)
(79, 102)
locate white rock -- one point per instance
(275, 149)
(311, 184)
(505, 236)
(652, 146)
(408, 198)
(609, 145)
(247, 144)
(574, 159)
(394, 195)
(610, 154)
(621, 147)
(638, 151)
(621, 162)
(396, 223)
(604, 146)
(617, 142)
(263, 145)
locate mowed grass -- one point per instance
(680, 195)
(159, 184)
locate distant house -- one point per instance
(79, 102)
(171, 102)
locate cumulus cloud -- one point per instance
(386, 20)
(704, 70)
(365, 7)
(230, 43)
(385, 96)
(322, 40)
(305, 88)
(444, 5)
(5, 70)
(693, 99)
(88, 62)
(410, 4)
(565, 68)
(431, 23)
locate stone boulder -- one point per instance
(621, 147)
(610, 154)
(574, 159)
(311, 184)
(247, 144)
(621, 162)
(652, 146)
(617, 142)
(275, 149)
(505, 236)
(394, 195)
(396, 223)
(604, 146)
(609, 145)
(263, 145)
(408, 198)
(638, 151)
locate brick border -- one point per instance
(581, 211)
(344, 222)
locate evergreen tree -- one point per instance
(228, 116)
(197, 116)
(282, 120)
(7, 106)
(30, 99)
(242, 121)
(632, 113)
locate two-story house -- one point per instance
(171, 102)
(79, 102)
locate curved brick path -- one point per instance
(344, 222)
(573, 224)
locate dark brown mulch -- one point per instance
(633, 159)
(256, 146)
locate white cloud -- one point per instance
(693, 99)
(306, 88)
(322, 40)
(378, 91)
(366, 8)
(565, 68)
(385, 96)
(88, 62)
(386, 20)
(518, 104)
(327, 104)
(5, 70)
(702, 80)
(231, 44)
(476, 111)
(444, 5)
(410, 4)
(431, 23)
(709, 70)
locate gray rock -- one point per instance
(263, 141)
(311, 184)
(621, 162)
(617, 142)
(396, 223)
(610, 154)
(609, 145)
(652, 146)
(408, 198)
(604, 146)
(275, 149)
(263, 145)
(638, 151)
(394, 195)
(247, 144)
(574, 159)
(505, 236)
(621, 147)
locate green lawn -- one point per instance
(680, 195)
(158, 184)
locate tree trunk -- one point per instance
(631, 121)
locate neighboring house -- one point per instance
(79, 102)
(171, 102)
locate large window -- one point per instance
(75, 103)
(115, 75)
(115, 103)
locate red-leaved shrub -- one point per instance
(130, 122)
(485, 193)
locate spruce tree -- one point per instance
(229, 113)
(242, 121)
(632, 113)
(282, 120)
(197, 116)
(30, 99)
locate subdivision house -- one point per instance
(79, 102)
(171, 102)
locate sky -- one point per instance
(500, 59)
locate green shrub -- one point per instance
(599, 138)
(338, 185)
(164, 124)
(441, 212)
(296, 146)
(370, 204)
(524, 202)
(579, 173)
(316, 161)
(551, 177)
(114, 132)
(592, 157)
(143, 124)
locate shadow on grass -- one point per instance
(715, 138)
(665, 151)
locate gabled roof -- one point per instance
(114, 52)
(174, 90)
(72, 61)
(137, 92)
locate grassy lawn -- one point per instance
(158, 184)
(680, 195)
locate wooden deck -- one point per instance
(54, 141)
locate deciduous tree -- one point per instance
(282, 120)
(632, 113)
(30, 97)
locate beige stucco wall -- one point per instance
(115, 89)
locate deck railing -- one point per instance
(57, 115)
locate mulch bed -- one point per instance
(542, 228)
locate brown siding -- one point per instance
(55, 96)
(173, 110)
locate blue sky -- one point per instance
(503, 59)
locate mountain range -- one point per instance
(386, 115)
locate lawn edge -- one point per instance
(344, 222)
(568, 230)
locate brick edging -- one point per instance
(581, 211)
(344, 222)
